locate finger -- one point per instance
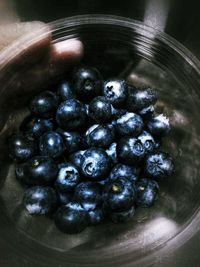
(36, 65)
(65, 54)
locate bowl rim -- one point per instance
(9, 53)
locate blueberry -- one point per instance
(123, 216)
(21, 148)
(71, 114)
(119, 195)
(77, 158)
(63, 198)
(139, 99)
(87, 83)
(70, 220)
(112, 153)
(159, 126)
(125, 171)
(52, 145)
(130, 150)
(99, 136)
(72, 140)
(37, 171)
(115, 92)
(89, 194)
(44, 105)
(96, 216)
(65, 91)
(36, 127)
(100, 109)
(39, 200)
(147, 191)
(68, 178)
(129, 124)
(147, 113)
(158, 165)
(148, 141)
(95, 164)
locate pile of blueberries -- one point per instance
(90, 151)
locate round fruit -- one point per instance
(21, 148)
(130, 150)
(70, 220)
(40, 200)
(95, 164)
(115, 92)
(51, 145)
(44, 105)
(71, 114)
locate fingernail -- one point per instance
(68, 49)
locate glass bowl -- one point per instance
(129, 49)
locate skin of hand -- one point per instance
(30, 62)
(71, 49)
(26, 49)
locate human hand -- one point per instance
(29, 62)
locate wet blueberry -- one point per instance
(148, 141)
(72, 140)
(35, 127)
(139, 99)
(71, 115)
(96, 216)
(65, 91)
(21, 148)
(115, 92)
(112, 153)
(123, 216)
(71, 220)
(147, 191)
(38, 171)
(130, 150)
(68, 178)
(158, 165)
(40, 200)
(125, 171)
(44, 105)
(87, 83)
(89, 195)
(52, 145)
(129, 124)
(77, 158)
(95, 164)
(119, 195)
(159, 126)
(99, 136)
(100, 109)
